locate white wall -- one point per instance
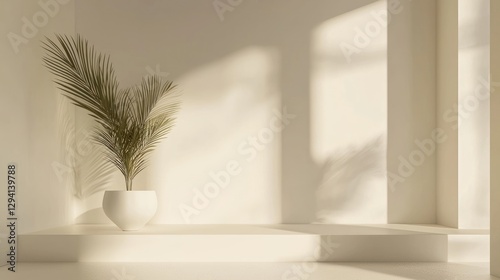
(33, 121)
(235, 70)
(411, 160)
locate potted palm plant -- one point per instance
(130, 122)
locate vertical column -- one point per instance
(412, 113)
(473, 114)
(495, 139)
(462, 113)
(447, 98)
(298, 170)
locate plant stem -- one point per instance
(128, 183)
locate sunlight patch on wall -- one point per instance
(349, 115)
(223, 127)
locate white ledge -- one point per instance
(277, 229)
(236, 243)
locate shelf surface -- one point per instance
(279, 229)
(240, 243)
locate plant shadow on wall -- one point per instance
(346, 174)
(129, 122)
(84, 168)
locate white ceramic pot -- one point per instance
(130, 210)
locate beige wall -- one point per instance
(33, 119)
(235, 70)
(232, 85)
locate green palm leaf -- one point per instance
(131, 122)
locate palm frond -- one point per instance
(131, 122)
